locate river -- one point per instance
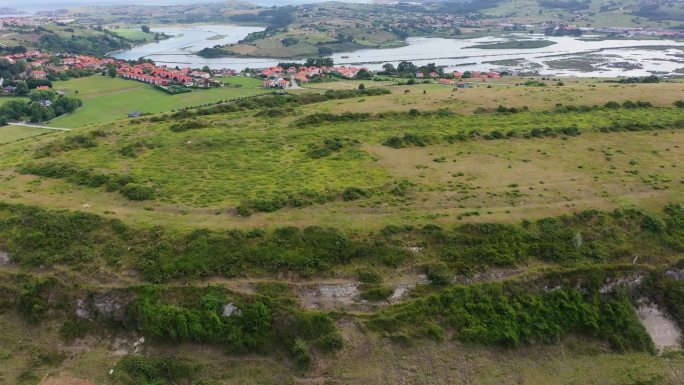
(569, 56)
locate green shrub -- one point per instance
(187, 125)
(377, 293)
(138, 192)
(142, 370)
(301, 352)
(508, 314)
(438, 274)
(354, 193)
(369, 275)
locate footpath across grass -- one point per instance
(107, 99)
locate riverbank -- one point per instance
(614, 57)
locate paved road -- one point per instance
(40, 126)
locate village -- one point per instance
(42, 66)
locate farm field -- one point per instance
(107, 100)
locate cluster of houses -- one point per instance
(31, 21)
(40, 64)
(458, 78)
(277, 77)
(163, 76)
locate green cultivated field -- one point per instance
(106, 99)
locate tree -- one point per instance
(22, 88)
(145, 28)
(38, 95)
(362, 87)
(363, 74)
(3, 121)
(406, 67)
(389, 68)
(111, 70)
(206, 69)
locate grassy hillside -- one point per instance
(11, 133)
(421, 161)
(73, 38)
(512, 234)
(106, 99)
(134, 35)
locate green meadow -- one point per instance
(11, 133)
(106, 99)
(339, 236)
(134, 34)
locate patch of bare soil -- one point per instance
(663, 331)
(64, 379)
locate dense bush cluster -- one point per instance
(407, 140)
(258, 324)
(69, 143)
(201, 320)
(142, 370)
(330, 146)
(187, 125)
(326, 117)
(125, 184)
(305, 251)
(300, 199)
(509, 314)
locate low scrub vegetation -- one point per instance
(125, 184)
(36, 237)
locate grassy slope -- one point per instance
(239, 155)
(199, 173)
(364, 360)
(12, 133)
(502, 92)
(529, 11)
(106, 99)
(134, 34)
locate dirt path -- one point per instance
(39, 126)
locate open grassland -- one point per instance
(502, 92)
(280, 240)
(450, 173)
(134, 34)
(106, 100)
(11, 133)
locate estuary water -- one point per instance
(585, 56)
